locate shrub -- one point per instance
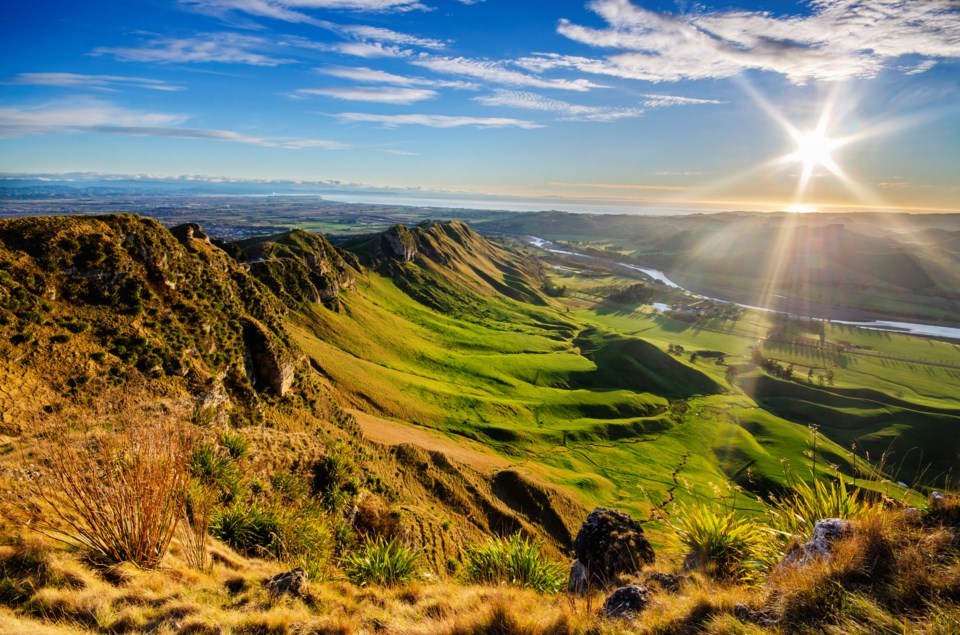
(382, 562)
(726, 545)
(120, 494)
(515, 560)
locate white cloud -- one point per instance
(402, 153)
(92, 82)
(368, 49)
(77, 114)
(497, 73)
(664, 101)
(291, 10)
(437, 121)
(567, 111)
(378, 34)
(364, 74)
(224, 48)
(384, 95)
(103, 117)
(838, 39)
(922, 67)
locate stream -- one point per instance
(928, 330)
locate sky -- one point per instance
(801, 105)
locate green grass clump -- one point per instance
(235, 444)
(726, 545)
(514, 560)
(299, 535)
(794, 515)
(216, 470)
(382, 562)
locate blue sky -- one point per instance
(654, 104)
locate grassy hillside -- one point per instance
(416, 386)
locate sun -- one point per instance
(815, 149)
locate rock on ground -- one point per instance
(293, 582)
(826, 532)
(609, 544)
(626, 602)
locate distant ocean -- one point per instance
(512, 204)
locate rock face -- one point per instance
(293, 582)
(626, 602)
(397, 243)
(826, 532)
(269, 367)
(609, 544)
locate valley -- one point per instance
(461, 386)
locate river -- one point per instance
(912, 328)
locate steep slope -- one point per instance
(85, 302)
(449, 267)
(300, 267)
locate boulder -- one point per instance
(826, 532)
(609, 544)
(626, 602)
(578, 579)
(666, 581)
(293, 582)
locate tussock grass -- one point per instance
(727, 545)
(120, 494)
(515, 560)
(794, 514)
(300, 536)
(382, 562)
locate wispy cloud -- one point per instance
(368, 50)
(402, 153)
(497, 73)
(437, 121)
(665, 101)
(838, 39)
(379, 34)
(103, 117)
(223, 48)
(104, 83)
(292, 10)
(364, 74)
(567, 111)
(384, 95)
